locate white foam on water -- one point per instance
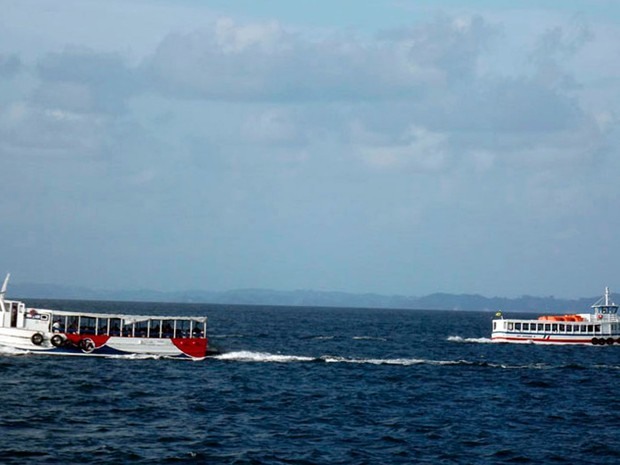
(368, 338)
(265, 357)
(12, 351)
(249, 356)
(135, 356)
(374, 361)
(471, 340)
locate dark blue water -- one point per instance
(312, 386)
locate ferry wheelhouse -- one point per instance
(599, 327)
(62, 332)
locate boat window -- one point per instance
(597, 328)
(167, 328)
(526, 326)
(583, 328)
(102, 326)
(547, 327)
(518, 326)
(155, 327)
(197, 329)
(128, 329)
(115, 326)
(590, 328)
(562, 327)
(510, 326)
(141, 328)
(87, 325)
(554, 327)
(569, 328)
(540, 326)
(182, 328)
(494, 325)
(72, 324)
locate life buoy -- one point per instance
(599, 316)
(57, 340)
(595, 341)
(610, 341)
(87, 345)
(37, 339)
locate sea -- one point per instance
(300, 385)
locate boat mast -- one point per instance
(606, 296)
(3, 291)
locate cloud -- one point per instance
(29, 131)
(86, 81)
(554, 47)
(265, 62)
(10, 65)
(417, 148)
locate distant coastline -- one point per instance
(437, 301)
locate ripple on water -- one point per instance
(319, 386)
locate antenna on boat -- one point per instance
(606, 296)
(6, 282)
(3, 291)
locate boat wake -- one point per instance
(248, 356)
(470, 340)
(12, 351)
(265, 357)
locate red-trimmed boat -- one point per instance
(61, 332)
(599, 327)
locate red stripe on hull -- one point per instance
(99, 340)
(194, 347)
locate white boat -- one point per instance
(61, 332)
(599, 327)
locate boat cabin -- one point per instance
(14, 314)
(98, 324)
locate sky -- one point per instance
(393, 147)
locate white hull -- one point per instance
(601, 327)
(61, 332)
(166, 347)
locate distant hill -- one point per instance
(438, 301)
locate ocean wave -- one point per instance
(136, 356)
(12, 351)
(265, 357)
(471, 340)
(248, 356)
(368, 338)
(228, 336)
(319, 338)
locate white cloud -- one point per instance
(454, 127)
(272, 126)
(10, 65)
(418, 148)
(29, 131)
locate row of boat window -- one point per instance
(553, 327)
(116, 327)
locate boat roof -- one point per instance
(129, 317)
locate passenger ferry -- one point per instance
(100, 334)
(599, 327)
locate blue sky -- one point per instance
(395, 147)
